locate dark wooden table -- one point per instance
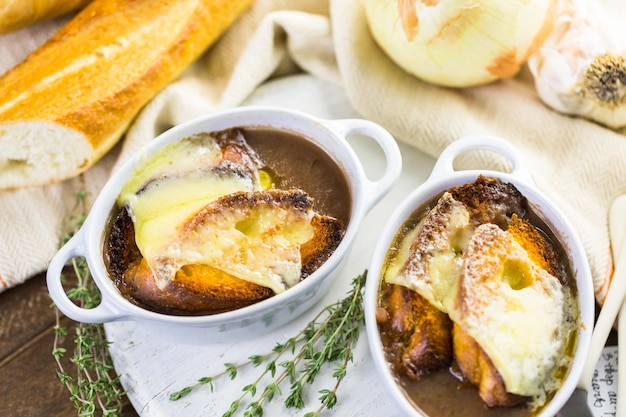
(28, 381)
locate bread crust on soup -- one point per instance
(205, 289)
(476, 259)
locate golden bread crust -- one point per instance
(494, 265)
(478, 369)
(196, 289)
(539, 249)
(419, 333)
(490, 200)
(99, 70)
(328, 233)
(17, 14)
(203, 289)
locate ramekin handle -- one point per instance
(444, 165)
(379, 188)
(100, 314)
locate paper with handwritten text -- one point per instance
(603, 396)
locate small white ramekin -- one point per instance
(265, 315)
(443, 177)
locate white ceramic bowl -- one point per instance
(443, 177)
(265, 315)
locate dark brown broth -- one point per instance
(299, 163)
(441, 394)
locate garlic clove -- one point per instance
(581, 68)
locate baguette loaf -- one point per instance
(16, 14)
(73, 98)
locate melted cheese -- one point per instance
(177, 158)
(160, 209)
(513, 309)
(517, 312)
(260, 244)
(430, 256)
(177, 184)
(171, 186)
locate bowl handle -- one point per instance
(100, 314)
(375, 190)
(444, 165)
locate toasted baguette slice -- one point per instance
(72, 99)
(539, 249)
(515, 311)
(257, 236)
(213, 286)
(431, 255)
(477, 369)
(421, 334)
(490, 200)
(196, 289)
(16, 14)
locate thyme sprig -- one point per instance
(94, 388)
(328, 338)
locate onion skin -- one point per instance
(580, 69)
(460, 43)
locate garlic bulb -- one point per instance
(581, 68)
(460, 43)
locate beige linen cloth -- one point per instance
(579, 164)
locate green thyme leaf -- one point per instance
(329, 337)
(94, 388)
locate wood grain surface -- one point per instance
(28, 381)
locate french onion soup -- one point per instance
(221, 220)
(477, 306)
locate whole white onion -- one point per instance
(460, 43)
